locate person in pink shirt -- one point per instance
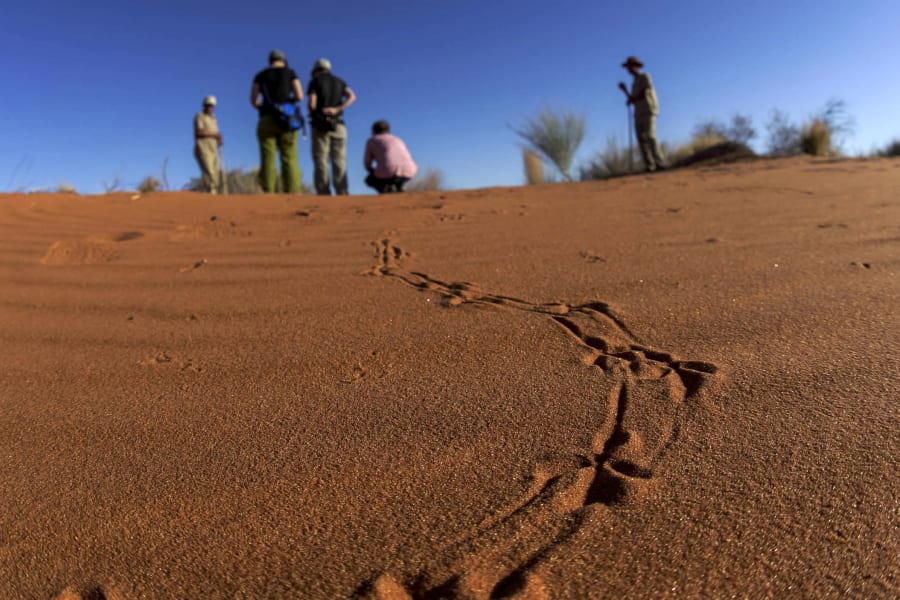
(387, 160)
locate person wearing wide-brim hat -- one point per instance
(646, 108)
(207, 140)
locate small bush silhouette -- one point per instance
(65, 188)
(700, 141)
(821, 135)
(613, 161)
(724, 152)
(149, 184)
(429, 179)
(892, 149)
(534, 167)
(784, 136)
(739, 130)
(555, 137)
(815, 139)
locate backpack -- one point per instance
(288, 114)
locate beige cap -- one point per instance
(209, 101)
(323, 63)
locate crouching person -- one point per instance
(387, 160)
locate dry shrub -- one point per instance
(241, 181)
(238, 181)
(700, 141)
(892, 149)
(613, 161)
(821, 135)
(65, 188)
(534, 167)
(429, 179)
(783, 135)
(725, 152)
(554, 136)
(740, 129)
(149, 184)
(815, 139)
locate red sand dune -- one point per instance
(683, 385)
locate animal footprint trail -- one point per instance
(104, 592)
(651, 393)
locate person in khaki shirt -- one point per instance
(207, 140)
(646, 108)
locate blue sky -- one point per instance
(96, 90)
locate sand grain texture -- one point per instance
(682, 385)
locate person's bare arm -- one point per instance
(313, 99)
(349, 98)
(254, 95)
(298, 90)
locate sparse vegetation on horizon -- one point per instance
(892, 149)
(815, 139)
(149, 184)
(65, 188)
(534, 167)
(700, 141)
(613, 161)
(429, 179)
(821, 135)
(555, 137)
(740, 130)
(783, 135)
(240, 181)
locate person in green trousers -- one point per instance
(275, 85)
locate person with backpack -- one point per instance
(329, 97)
(387, 160)
(207, 140)
(274, 88)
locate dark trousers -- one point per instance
(386, 186)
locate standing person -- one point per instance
(207, 140)
(387, 160)
(646, 108)
(276, 84)
(329, 97)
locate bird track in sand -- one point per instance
(646, 405)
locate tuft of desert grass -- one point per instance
(613, 161)
(149, 184)
(429, 179)
(700, 141)
(534, 167)
(815, 138)
(65, 188)
(554, 136)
